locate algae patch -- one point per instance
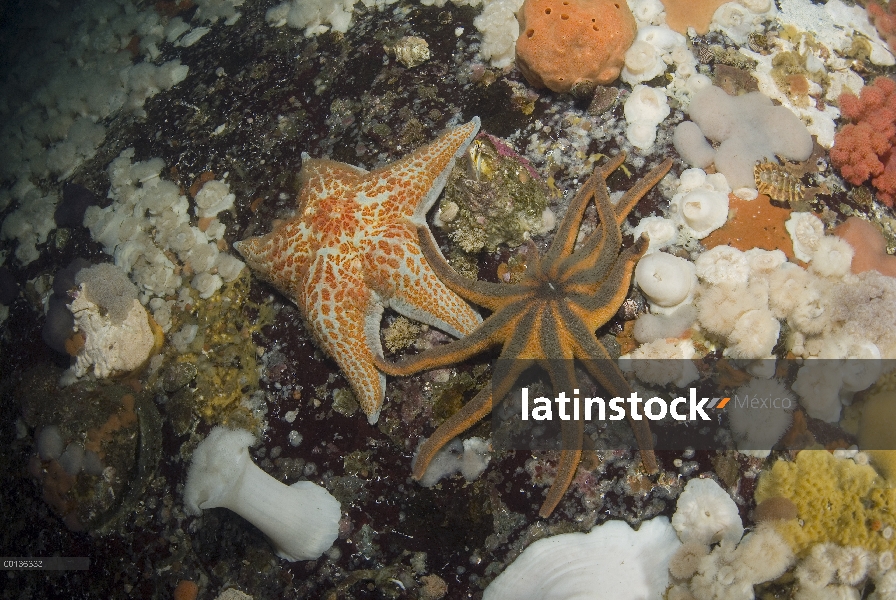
(211, 372)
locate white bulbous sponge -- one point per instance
(749, 128)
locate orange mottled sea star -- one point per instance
(352, 250)
(548, 318)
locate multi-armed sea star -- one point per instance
(548, 318)
(352, 249)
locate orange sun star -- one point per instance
(548, 318)
(352, 249)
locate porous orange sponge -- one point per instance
(567, 42)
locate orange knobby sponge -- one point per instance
(567, 42)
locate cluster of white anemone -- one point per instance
(624, 564)
(644, 110)
(741, 300)
(700, 203)
(710, 558)
(144, 245)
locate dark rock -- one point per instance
(59, 325)
(9, 287)
(75, 200)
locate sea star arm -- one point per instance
(598, 252)
(566, 471)
(633, 195)
(601, 296)
(543, 336)
(290, 240)
(568, 230)
(341, 318)
(484, 293)
(598, 363)
(471, 413)
(492, 331)
(423, 173)
(322, 177)
(600, 249)
(397, 269)
(612, 164)
(572, 432)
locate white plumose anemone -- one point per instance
(832, 258)
(806, 231)
(301, 520)
(700, 202)
(703, 211)
(723, 264)
(644, 109)
(706, 513)
(667, 281)
(622, 563)
(642, 63)
(660, 230)
(754, 335)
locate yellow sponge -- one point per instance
(837, 500)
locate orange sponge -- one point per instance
(567, 42)
(681, 14)
(870, 247)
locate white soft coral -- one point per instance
(706, 513)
